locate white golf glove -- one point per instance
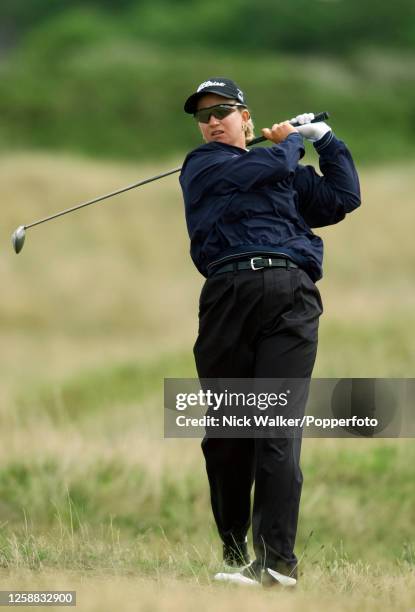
(311, 131)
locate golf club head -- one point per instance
(18, 237)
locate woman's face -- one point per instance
(228, 130)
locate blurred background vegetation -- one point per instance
(109, 78)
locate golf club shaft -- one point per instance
(104, 197)
(317, 117)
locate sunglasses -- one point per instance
(220, 111)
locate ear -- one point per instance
(246, 115)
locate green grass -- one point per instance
(92, 393)
(354, 348)
(362, 502)
(96, 311)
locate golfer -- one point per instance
(250, 214)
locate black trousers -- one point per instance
(257, 324)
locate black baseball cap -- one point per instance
(218, 85)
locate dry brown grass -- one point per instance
(350, 589)
(114, 284)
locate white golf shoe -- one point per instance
(256, 575)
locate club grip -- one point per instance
(317, 117)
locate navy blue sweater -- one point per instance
(262, 200)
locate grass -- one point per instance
(96, 311)
(117, 576)
(339, 502)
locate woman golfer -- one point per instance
(249, 215)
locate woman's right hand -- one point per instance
(278, 132)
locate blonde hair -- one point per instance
(249, 130)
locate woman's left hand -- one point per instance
(311, 131)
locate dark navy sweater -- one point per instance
(262, 200)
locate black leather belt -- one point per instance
(255, 263)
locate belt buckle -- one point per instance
(260, 267)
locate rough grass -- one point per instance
(100, 307)
(348, 587)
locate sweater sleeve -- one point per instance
(221, 170)
(325, 200)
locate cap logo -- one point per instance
(210, 84)
(240, 95)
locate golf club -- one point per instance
(19, 235)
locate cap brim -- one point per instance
(191, 102)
